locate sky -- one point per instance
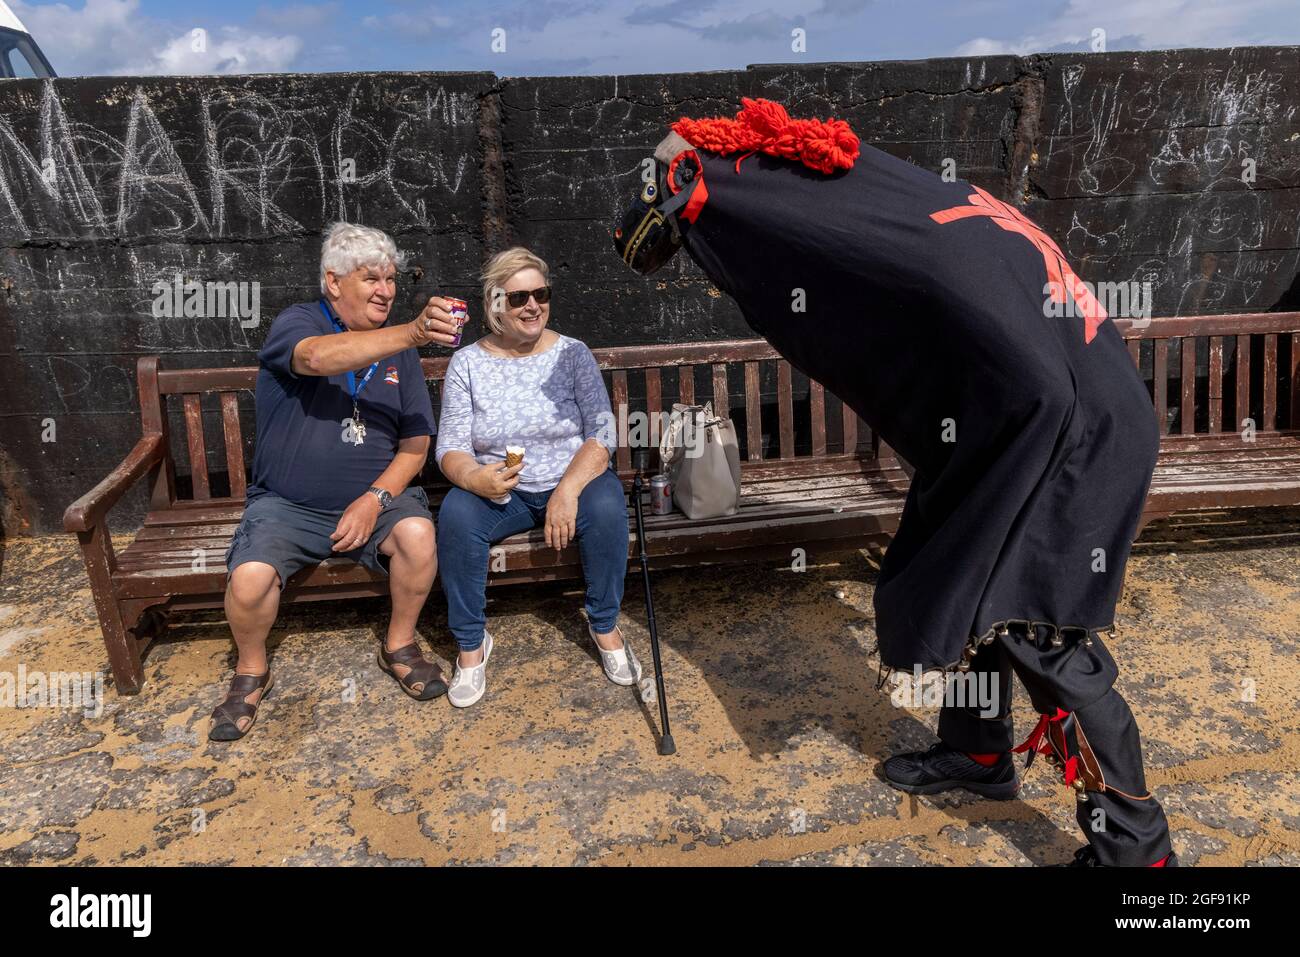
(566, 37)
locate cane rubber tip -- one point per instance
(667, 746)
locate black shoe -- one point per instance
(1086, 856)
(942, 769)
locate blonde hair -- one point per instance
(497, 273)
(347, 247)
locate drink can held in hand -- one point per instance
(459, 315)
(661, 496)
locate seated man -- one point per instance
(343, 427)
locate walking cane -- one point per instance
(640, 457)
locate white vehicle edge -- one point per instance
(20, 57)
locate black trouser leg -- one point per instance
(972, 729)
(1125, 824)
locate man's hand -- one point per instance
(433, 324)
(561, 518)
(354, 528)
(494, 479)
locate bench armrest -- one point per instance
(89, 510)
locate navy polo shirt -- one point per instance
(304, 450)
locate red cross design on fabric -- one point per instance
(1059, 274)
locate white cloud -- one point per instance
(112, 37)
(423, 22)
(231, 50)
(984, 46)
(1151, 25)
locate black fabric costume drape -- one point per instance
(1033, 437)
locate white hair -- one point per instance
(348, 247)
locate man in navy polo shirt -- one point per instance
(343, 427)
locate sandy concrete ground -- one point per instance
(779, 727)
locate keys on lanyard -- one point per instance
(358, 427)
(355, 430)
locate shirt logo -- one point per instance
(1059, 274)
(390, 375)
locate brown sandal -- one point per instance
(233, 717)
(419, 677)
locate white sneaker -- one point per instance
(621, 666)
(468, 684)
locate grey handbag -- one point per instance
(701, 457)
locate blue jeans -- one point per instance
(468, 526)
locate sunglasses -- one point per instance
(519, 298)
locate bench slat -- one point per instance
(1216, 385)
(785, 407)
(1187, 405)
(1160, 377)
(194, 440)
(721, 403)
(817, 403)
(753, 413)
(686, 384)
(850, 428)
(234, 444)
(1270, 382)
(1164, 327)
(623, 454)
(1243, 381)
(1295, 381)
(654, 398)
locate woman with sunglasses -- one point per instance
(526, 385)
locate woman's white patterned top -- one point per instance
(549, 403)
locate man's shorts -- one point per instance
(291, 537)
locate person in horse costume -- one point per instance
(953, 325)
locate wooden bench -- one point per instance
(1208, 458)
(813, 477)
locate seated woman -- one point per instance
(528, 386)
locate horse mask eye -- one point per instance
(643, 236)
(647, 235)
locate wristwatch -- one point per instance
(385, 497)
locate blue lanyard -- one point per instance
(353, 389)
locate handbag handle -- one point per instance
(668, 442)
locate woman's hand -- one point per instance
(561, 518)
(494, 479)
(356, 524)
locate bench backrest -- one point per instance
(1224, 369)
(1213, 396)
(746, 380)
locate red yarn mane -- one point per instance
(765, 127)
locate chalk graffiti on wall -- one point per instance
(1203, 234)
(245, 161)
